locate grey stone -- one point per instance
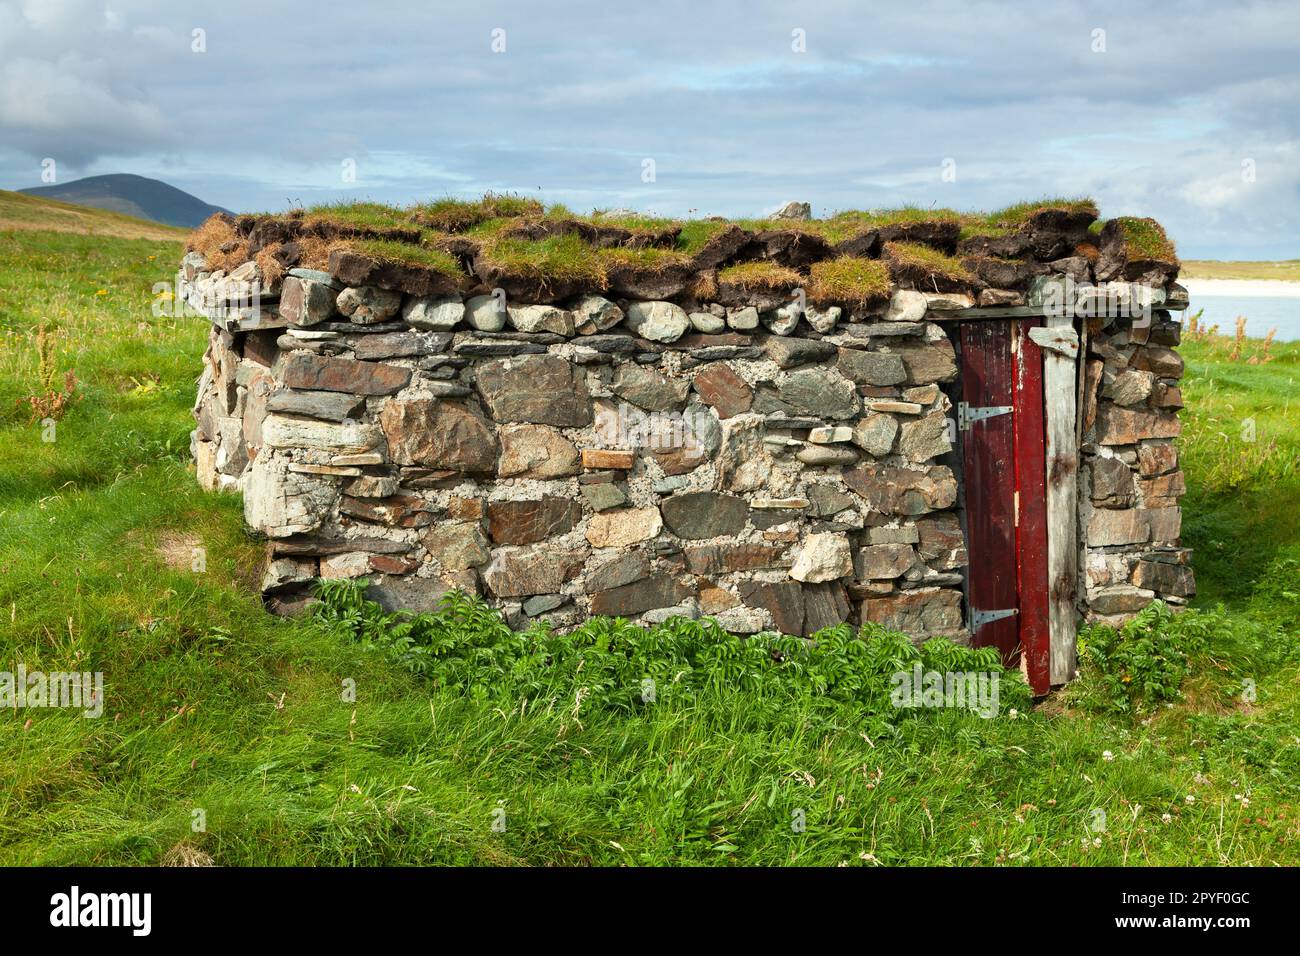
(650, 389)
(542, 389)
(541, 603)
(657, 321)
(602, 497)
(819, 391)
(541, 318)
(743, 319)
(707, 322)
(433, 313)
(594, 313)
(871, 368)
(330, 406)
(305, 302)
(704, 514)
(875, 435)
(616, 572)
(921, 439)
(368, 304)
(789, 352)
(482, 313)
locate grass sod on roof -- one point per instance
(913, 255)
(458, 215)
(1145, 239)
(849, 280)
(489, 220)
(762, 276)
(424, 256)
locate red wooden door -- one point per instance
(1001, 421)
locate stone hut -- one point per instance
(949, 424)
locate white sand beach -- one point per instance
(1250, 288)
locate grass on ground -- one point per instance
(214, 706)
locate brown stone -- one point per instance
(941, 542)
(1164, 395)
(1164, 362)
(608, 458)
(715, 600)
(457, 546)
(1112, 482)
(725, 558)
(657, 590)
(1115, 526)
(536, 451)
(1166, 524)
(616, 572)
(524, 522)
(439, 434)
(1165, 578)
(906, 491)
(523, 572)
(824, 605)
(387, 564)
(466, 509)
(919, 613)
(1120, 599)
(784, 601)
(323, 373)
(1127, 426)
(398, 511)
(883, 561)
(543, 389)
(718, 385)
(1170, 486)
(1156, 458)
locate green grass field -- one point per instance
(1286, 269)
(227, 738)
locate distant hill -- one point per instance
(20, 211)
(136, 196)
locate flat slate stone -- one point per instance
(524, 522)
(343, 375)
(704, 514)
(496, 349)
(543, 389)
(657, 590)
(398, 344)
(330, 406)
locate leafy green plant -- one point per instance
(602, 665)
(1145, 661)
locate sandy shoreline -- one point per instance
(1270, 288)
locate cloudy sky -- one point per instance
(1189, 112)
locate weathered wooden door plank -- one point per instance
(1060, 389)
(988, 451)
(1031, 497)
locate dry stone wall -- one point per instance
(608, 458)
(1129, 516)
(670, 443)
